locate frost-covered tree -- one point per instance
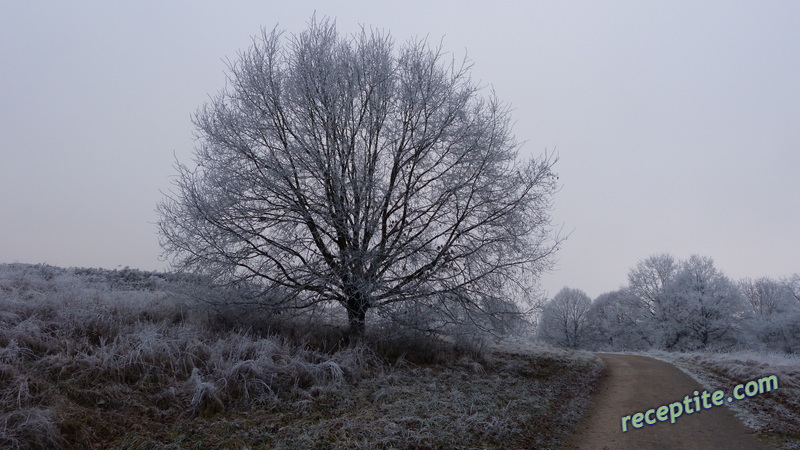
(704, 309)
(765, 296)
(565, 319)
(649, 277)
(620, 321)
(774, 320)
(689, 303)
(793, 284)
(647, 281)
(348, 170)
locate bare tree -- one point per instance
(566, 319)
(345, 170)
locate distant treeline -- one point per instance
(124, 277)
(679, 305)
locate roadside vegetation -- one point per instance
(93, 358)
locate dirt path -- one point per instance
(637, 384)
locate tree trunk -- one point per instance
(356, 316)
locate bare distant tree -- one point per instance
(345, 170)
(566, 319)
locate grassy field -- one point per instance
(126, 359)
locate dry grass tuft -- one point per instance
(30, 428)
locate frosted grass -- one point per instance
(130, 359)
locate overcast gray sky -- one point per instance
(677, 123)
